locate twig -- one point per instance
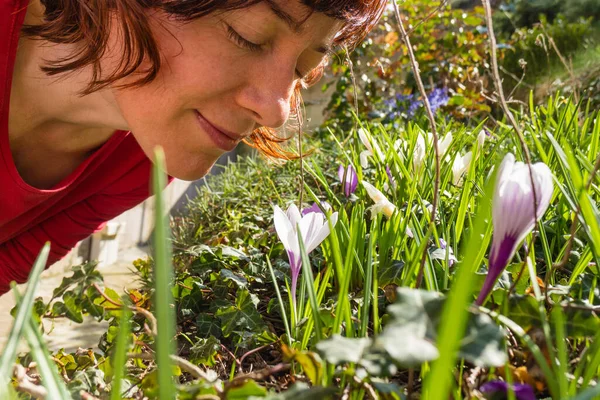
(24, 384)
(367, 387)
(87, 396)
(415, 68)
(258, 375)
(256, 350)
(301, 158)
(180, 362)
(237, 362)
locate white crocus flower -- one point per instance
(420, 151)
(513, 212)
(460, 166)
(313, 227)
(382, 204)
(371, 150)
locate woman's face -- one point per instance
(223, 76)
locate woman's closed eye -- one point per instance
(247, 44)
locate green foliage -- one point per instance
(450, 48)
(532, 44)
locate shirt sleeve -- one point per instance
(64, 230)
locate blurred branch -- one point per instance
(26, 385)
(568, 67)
(415, 68)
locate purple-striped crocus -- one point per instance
(513, 212)
(348, 179)
(492, 389)
(314, 229)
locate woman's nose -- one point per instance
(267, 94)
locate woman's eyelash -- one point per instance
(241, 41)
(236, 37)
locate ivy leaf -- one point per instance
(227, 275)
(301, 391)
(391, 273)
(339, 350)
(412, 349)
(248, 390)
(581, 322)
(242, 316)
(482, 344)
(69, 308)
(204, 351)
(208, 325)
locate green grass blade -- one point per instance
(22, 317)
(364, 320)
(438, 383)
(119, 357)
(563, 356)
(163, 276)
(51, 380)
(309, 280)
(280, 301)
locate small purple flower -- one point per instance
(348, 178)
(438, 98)
(513, 213)
(499, 389)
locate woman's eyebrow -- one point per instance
(294, 25)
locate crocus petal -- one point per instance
(293, 215)
(522, 391)
(382, 204)
(364, 162)
(419, 152)
(373, 193)
(460, 166)
(314, 208)
(362, 135)
(513, 212)
(348, 178)
(283, 227)
(481, 138)
(444, 144)
(321, 233)
(289, 238)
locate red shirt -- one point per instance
(112, 180)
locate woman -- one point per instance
(88, 88)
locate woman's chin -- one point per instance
(189, 172)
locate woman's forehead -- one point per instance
(296, 17)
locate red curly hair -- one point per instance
(87, 22)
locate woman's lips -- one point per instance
(224, 140)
